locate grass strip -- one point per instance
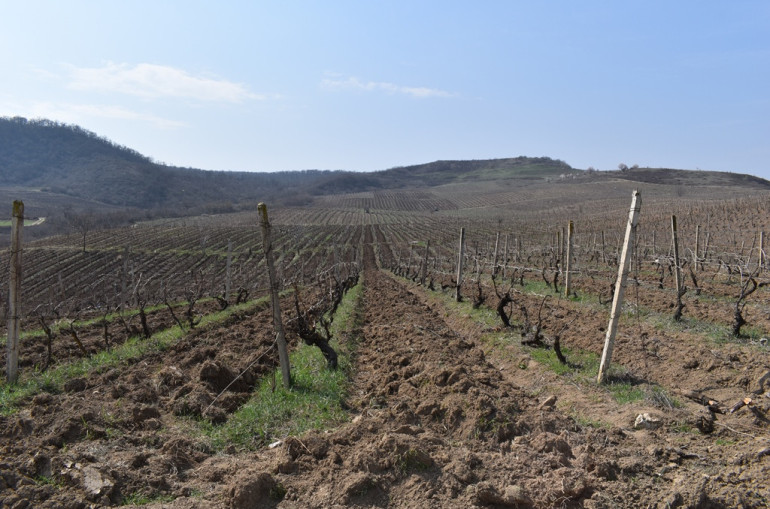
(582, 367)
(315, 400)
(53, 380)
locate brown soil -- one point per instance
(440, 417)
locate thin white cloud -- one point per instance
(353, 83)
(77, 113)
(152, 81)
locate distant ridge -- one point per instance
(60, 163)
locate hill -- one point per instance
(67, 160)
(55, 166)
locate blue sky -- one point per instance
(368, 85)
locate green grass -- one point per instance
(715, 333)
(5, 223)
(315, 400)
(581, 363)
(54, 379)
(626, 392)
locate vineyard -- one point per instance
(147, 355)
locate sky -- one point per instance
(368, 85)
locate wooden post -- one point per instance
(283, 352)
(677, 273)
(494, 260)
(14, 293)
(761, 250)
(697, 242)
(562, 246)
(568, 260)
(425, 263)
(620, 286)
(458, 292)
(123, 278)
(228, 271)
(505, 256)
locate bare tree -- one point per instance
(81, 222)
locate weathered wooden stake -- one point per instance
(14, 294)
(620, 286)
(458, 293)
(228, 271)
(123, 277)
(283, 352)
(505, 256)
(761, 250)
(697, 242)
(494, 260)
(677, 272)
(568, 261)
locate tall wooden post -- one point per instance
(568, 261)
(620, 286)
(283, 352)
(505, 256)
(123, 278)
(494, 260)
(677, 272)
(228, 270)
(761, 250)
(461, 255)
(697, 243)
(14, 294)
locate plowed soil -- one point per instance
(439, 417)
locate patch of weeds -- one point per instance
(278, 492)
(658, 396)
(413, 460)
(683, 427)
(626, 392)
(724, 442)
(586, 422)
(547, 357)
(44, 480)
(579, 362)
(538, 287)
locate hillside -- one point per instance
(63, 159)
(54, 166)
(68, 160)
